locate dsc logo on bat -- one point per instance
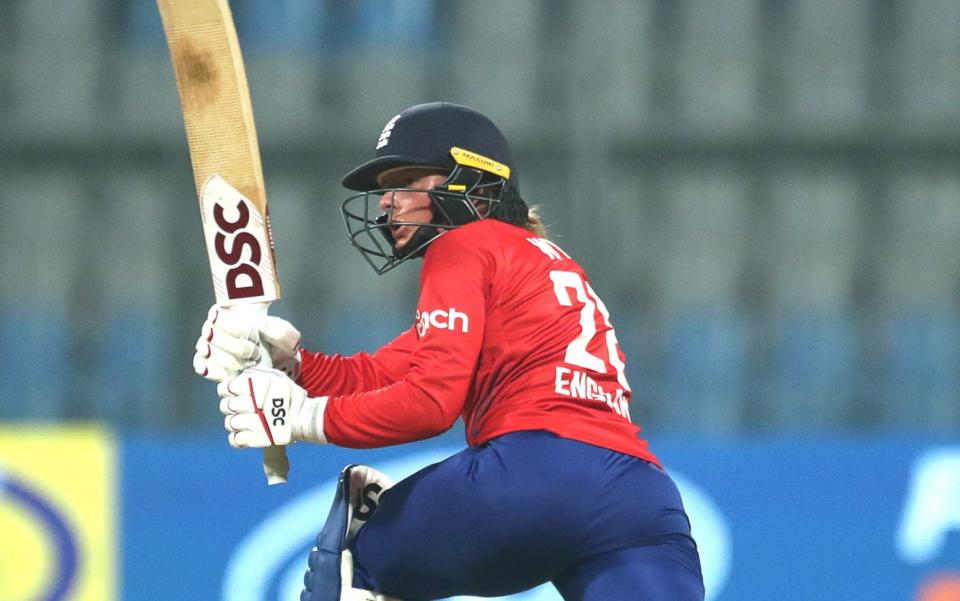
(238, 244)
(233, 256)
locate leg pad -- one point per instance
(329, 575)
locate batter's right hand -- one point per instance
(230, 342)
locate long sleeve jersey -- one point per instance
(508, 334)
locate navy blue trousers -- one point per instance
(525, 509)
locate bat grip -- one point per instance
(276, 466)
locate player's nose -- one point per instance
(388, 200)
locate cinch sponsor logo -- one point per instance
(445, 319)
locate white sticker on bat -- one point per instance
(238, 245)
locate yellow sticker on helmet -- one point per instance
(478, 161)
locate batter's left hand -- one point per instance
(262, 408)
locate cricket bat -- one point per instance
(227, 173)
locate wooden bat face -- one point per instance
(224, 151)
(214, 95)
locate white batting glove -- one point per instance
(283, 341)
(230, 342)
(262, 408)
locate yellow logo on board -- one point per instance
(58, 507)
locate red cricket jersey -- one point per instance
(508, 334)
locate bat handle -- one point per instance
(276, 466)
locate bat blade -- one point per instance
(225, 154)
(214, 95)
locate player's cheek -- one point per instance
(424, 214)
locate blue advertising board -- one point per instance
(161, 517)
(816, 518)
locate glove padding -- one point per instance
(230, 342)
(262, 408)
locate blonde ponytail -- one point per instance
(534, 225)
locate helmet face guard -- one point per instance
(466, 195)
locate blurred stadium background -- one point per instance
(766, 193)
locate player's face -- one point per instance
(411, 204)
